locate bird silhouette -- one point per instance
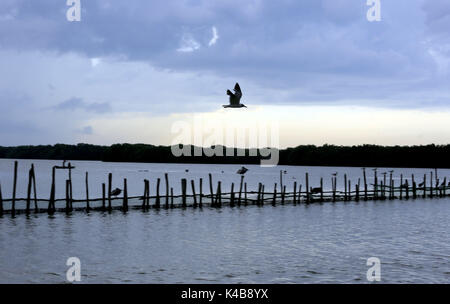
(116, 192)
(235, 98)
(243, 170)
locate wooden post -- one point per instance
(219, 186)
(245, 194)
(349, 196)
(52, 193)
(407, 189)
(357, 192)
(211, 189)
(109, 190)
(87, 192)
(232, 195)
(345, 187)
(391, 195)
(29, 192)
(171, 198)
(67, 196)
(281, 181)
(365, 184)
(375, 185)
(431, 184)
(1, 200)
(240, 190)
(148, 194)
(193, 193)
(33, 176)
(295, 193)
(414, 187)
(259, 193)
(283, 194)
(333, 187)
(262, 195)
(274, 200)
(166, 177)
(424, 186)
(445, 185)
(307, 187)
(321, 189)
(13, 208)
(401, 186)
(300, 194)
(158, 201)
(144, 196)
(201, 192)
(103, 196)
(125, 195)
(183, 192)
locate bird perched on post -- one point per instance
(235, 98)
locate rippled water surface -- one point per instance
(318, 243)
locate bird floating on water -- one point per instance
(235, 98)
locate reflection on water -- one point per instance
(320, 243)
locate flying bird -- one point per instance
(235, 98)
(116, 192)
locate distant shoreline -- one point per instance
(427, 156)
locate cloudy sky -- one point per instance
(130, 69)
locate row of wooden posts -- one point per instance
(381, 190)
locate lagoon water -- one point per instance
(317, 243)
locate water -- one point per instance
(319, 243)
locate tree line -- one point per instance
(426, 156)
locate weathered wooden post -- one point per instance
(300, 194)
(219, 186)
(307, 187)
(262, 195)
(109, 190)
(414, 187)
(406, 189)
(103, 196)
(259, 193)
(144, 196)
(193, 193)
(391, 195)
(125, 195)
(13, 206)
(33, 176)
(87, 191)
(281, 181)
(67, 196)
(274, 200)
(431, 184)
(357, 192)
(171, 198)
(29, 192)
(401, 186)
(376, 185)
(183, 192)
(424, 186)
(211, 189)
(166, 176)
(240, 190)
(333, 187)
(365, 184)
(349, 196)
(51, 202)
(1, 200)
(245, 194)
(295, 193)
(232, 195)
(158, 201)
(345, 187)
(321, 190)
(200, 204)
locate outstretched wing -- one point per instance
(237, 88)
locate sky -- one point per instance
(128, 71)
